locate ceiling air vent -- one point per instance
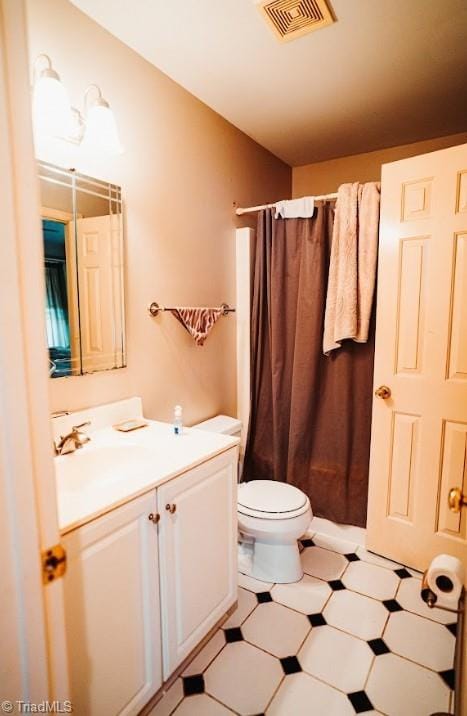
(293, 18)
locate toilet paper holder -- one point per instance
(430, 598)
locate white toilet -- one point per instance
(272, 516)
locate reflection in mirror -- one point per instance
(83, 250)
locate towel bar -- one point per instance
(154, 309)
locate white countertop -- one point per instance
(115, 467)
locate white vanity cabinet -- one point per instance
(112, 611)
(197, 554)
(140, 594)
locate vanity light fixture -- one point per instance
(100, 125)
(53, 115)
(50, 102)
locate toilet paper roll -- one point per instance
(445, 578)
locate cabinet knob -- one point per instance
(154, 517)
(171, 508)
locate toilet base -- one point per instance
(271, 562)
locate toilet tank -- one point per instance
(221, 424)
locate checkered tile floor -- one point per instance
(353, 636)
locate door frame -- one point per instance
(32, 616)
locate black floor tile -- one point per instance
(336, 585)
(290, 665)
(392, 605)
(193, 684)
(360, 702)
(233, 634)
(317, 620)
(402, 573)
(352, 557)
(378, 646)
(448, 677)
(307, 542)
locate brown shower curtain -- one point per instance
(310, 414)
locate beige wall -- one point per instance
(325, 177)
(182, 169)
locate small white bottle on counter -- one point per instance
(178, 420)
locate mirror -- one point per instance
(83, 252)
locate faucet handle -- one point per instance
(86, 424)
(80, 437)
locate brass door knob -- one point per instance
(171, 508)
(154, 517)
(456, 500)
(383, 392)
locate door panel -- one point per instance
(198, 554)
(411, 305)
(403, 471)
(418, 449)
(458, 318)
(453, 474)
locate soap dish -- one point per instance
(129, 425)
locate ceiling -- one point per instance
(387, 72)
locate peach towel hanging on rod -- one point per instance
(352, 268)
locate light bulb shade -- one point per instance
(51, 106)
(101, 129)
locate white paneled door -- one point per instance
(419, 432)
(99, 259)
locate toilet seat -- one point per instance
(271, 500)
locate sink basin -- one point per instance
(99, 464)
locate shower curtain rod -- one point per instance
(252, 209)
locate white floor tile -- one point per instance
(309, 595)
(356, 614)
(408, 596)
(206, 655)
(350, 533)
(322, 563)
(246, 603)
(420, 640)
(201, 705)
(373, 558)
(400, 688)
(169, 701)
(336, 544)
(276, 629)
(371, 580)
(337, 658)
(302, 695)
(253, 585)
(243, 677)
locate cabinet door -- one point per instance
(112, 611)
(198, 554)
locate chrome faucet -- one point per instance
(73, 440)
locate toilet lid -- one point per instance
(270, 497)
